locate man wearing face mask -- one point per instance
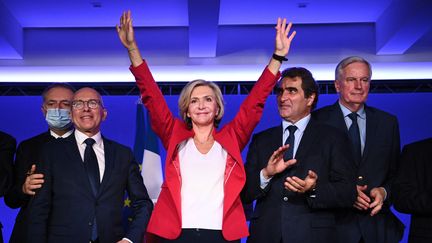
(56, 108)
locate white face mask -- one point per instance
(58, 118)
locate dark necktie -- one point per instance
(354, 134)
(289, 154)
(91, 165)
(92, 168)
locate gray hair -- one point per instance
(56, 85)
(347, 61)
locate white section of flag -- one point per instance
(152, 173)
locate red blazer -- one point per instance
(233, 137)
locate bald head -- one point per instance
(88, 111)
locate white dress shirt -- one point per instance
(98, 147)
(298, 134)
(361, 121)
(67, 134)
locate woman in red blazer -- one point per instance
(186, 212)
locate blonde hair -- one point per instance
(185, 99)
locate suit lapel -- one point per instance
(73, 153)
(371, 128)
(337, 117)
(271, 143)
(307, 140)
(47, 137)
(109, 151)
(275, 139)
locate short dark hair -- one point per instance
(308, 85)
(57, 85)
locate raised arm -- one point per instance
(251, 109)
(162, 120)
(127, 37)
(282, 44)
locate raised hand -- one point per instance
(282, 44)
(296, 184)
(126, 35)
(276, 163)
(282, 40)
(33, 181)
(125, 31)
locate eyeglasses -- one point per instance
(79, 104)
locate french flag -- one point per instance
(146, 151)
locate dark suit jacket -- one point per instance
(64, 208)
(378, 168)
(28, 153)
(300, 217)
(7, 151)
(413, 189)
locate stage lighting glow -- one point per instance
(222, 73)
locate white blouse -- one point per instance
(202, 186)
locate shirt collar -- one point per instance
(67, 134)
(361, 112)
(80, 137)
(300, 124)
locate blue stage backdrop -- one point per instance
(22, 117)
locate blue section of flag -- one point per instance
(146, 152)
(139, 134)
(145, 141)
(145, 138)
(151, 142)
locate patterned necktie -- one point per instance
(289, 154)
(354, 134)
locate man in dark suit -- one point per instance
(57, 99)
(297, 186)
(413, 189)
(7, 151)
(375, 143)
(86, 176)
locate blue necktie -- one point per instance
(354, 134)
(92, 169)
(289, 154)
